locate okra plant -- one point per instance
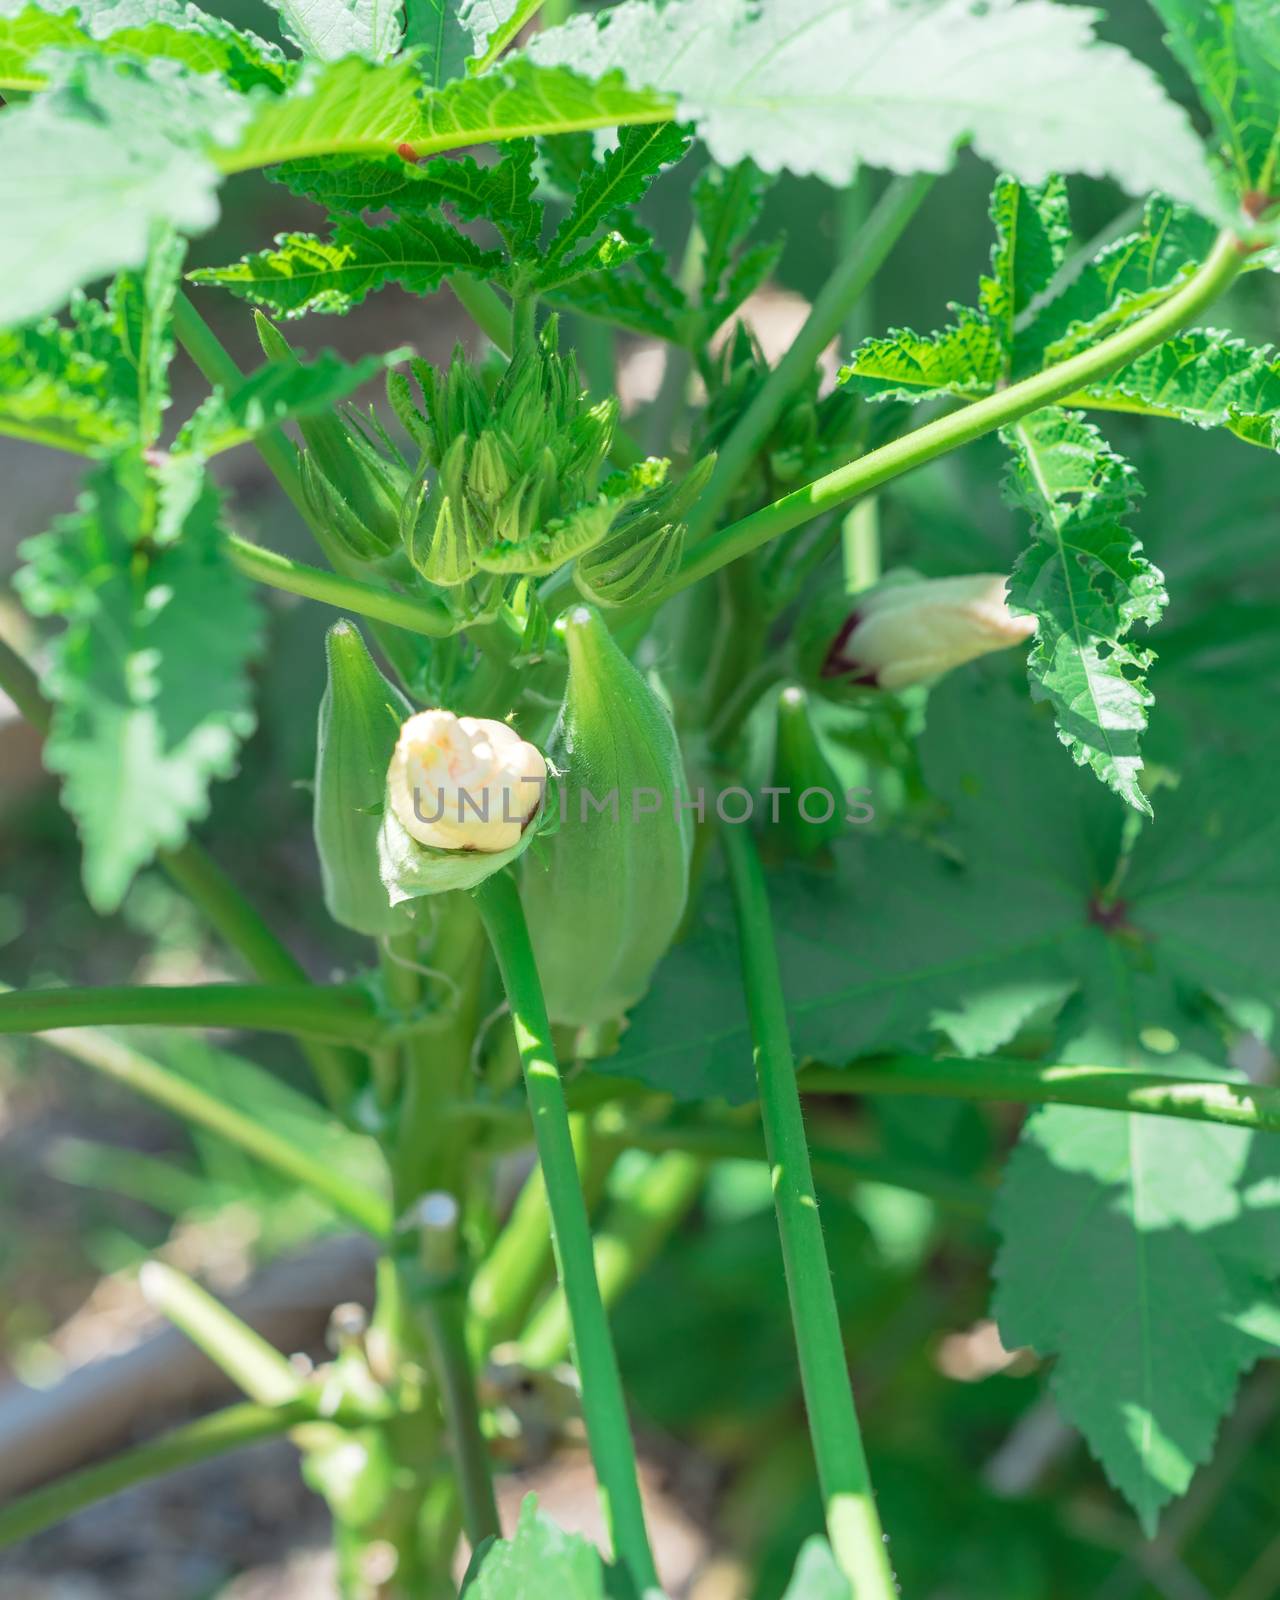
(682, 759)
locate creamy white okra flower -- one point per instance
(905, 633)
(464, 783)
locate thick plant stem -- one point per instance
(970, 422)
(195, 872)
(853, 1523)
(1234, 1102)
(194, 1105)
(345, 1014)
(211, 1436)
(843, 288)
(603, 1402)
(422, 613)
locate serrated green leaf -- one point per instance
(1122, 281)
(116, 148)
(494, 24)
(149, 682)
(503, 192)
(330, 30)
(1206, 378)
(1173, 1228)
(100, 380)
(357, 107)
(821, 89)
(434, 29)
(1087, 583)
(964, 359)
(179, 32)
(541, 1562)
(727, 204)
(306, 274)
(1033, 230)
(1231, 51)
(276, 393)
(55, 389)
(619, 182)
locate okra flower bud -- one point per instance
(911, 630)
(464, 783)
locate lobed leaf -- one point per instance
(1172, 1227)
(171, 29)
(818, 89)
(1122, 281)
(965, 359)
(149, 677)
(541, 1562)
(304, 273)
(617, 183)
(100, 380)
(117, 146)
(1205, 378)
(1231, 51)
(1033, 230)
(504, 192)
(331, 30)
(1086, 582)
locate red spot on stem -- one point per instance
(407, 151)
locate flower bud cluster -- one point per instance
(511, 480)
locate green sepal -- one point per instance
(356, 485)
(410, 870)
(360, 718)
(642, 550)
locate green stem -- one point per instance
(445, 1316)
(1236, 1103)
(211, 1436)
(196, 873)
(216, 364)
(603, 1402)
(853, 1522)
(486, 308)
(842, 290)
(345, 1014)
(633, 1230)
(193, 1104)
(421, 613)
(436, 1291)
(830, 1158)
(520, 1262)
(971, 422)
(240, 1351)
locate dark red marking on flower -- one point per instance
(834, 663)
(407, 151)
(1112, 916)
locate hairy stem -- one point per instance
(211, 1436)
(971, 422)
(346, 1014)
(603, 1402)
(194, 1105)
(853, 1523)
(873, 242)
